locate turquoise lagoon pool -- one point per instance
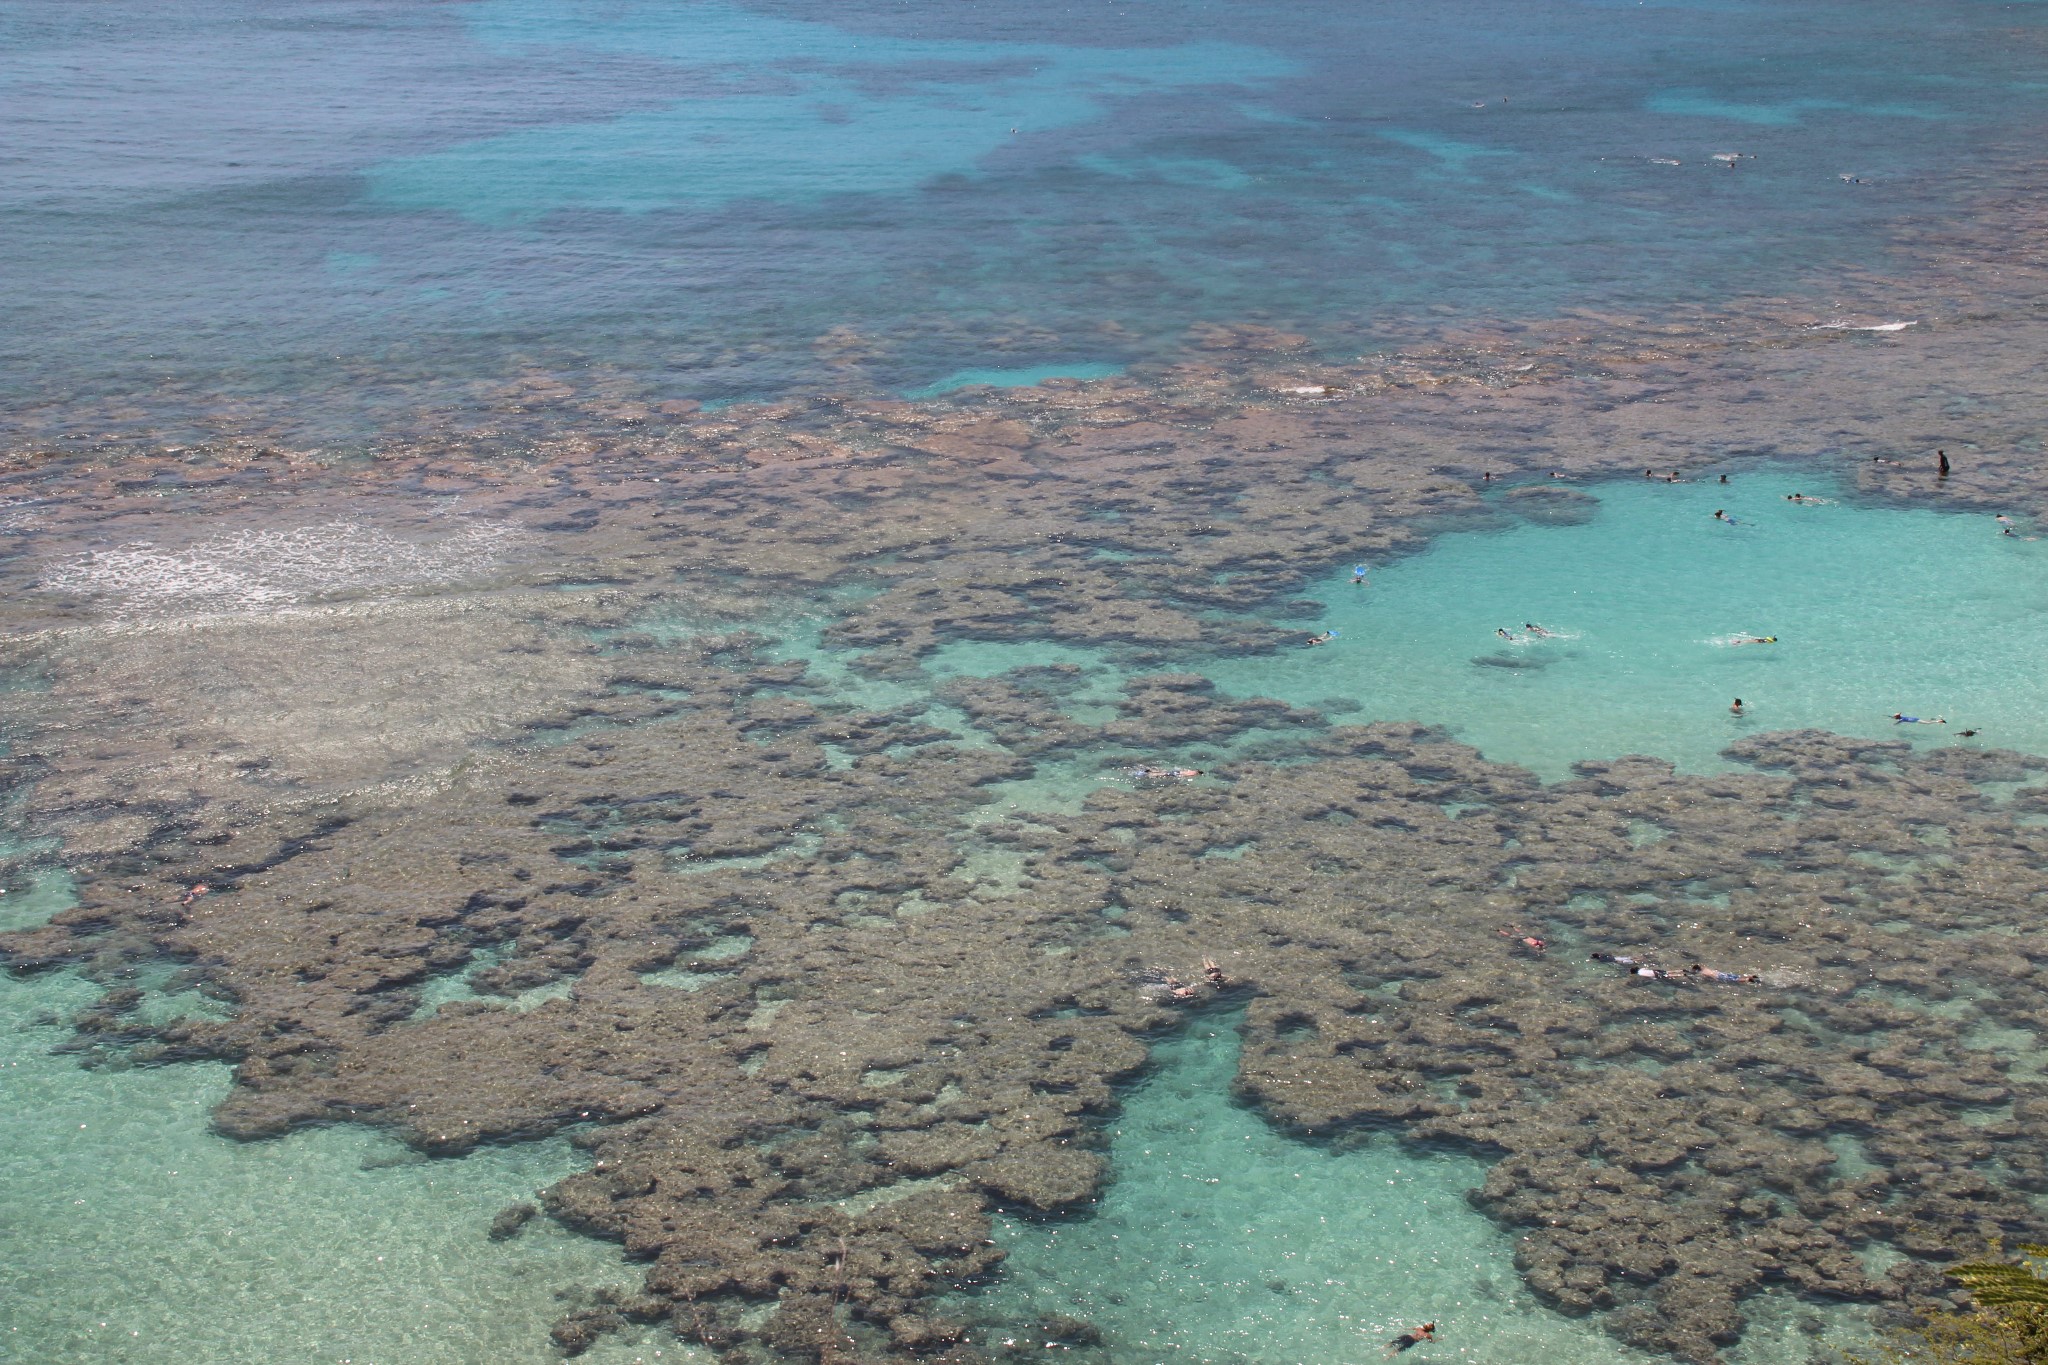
(1877, 609)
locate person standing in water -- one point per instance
(1357, 574)
(1942, 468)
(1736, 709)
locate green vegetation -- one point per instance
(2008, 1325)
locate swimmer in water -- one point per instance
(1502, 631)
(1357, 574)
(1709, 974)
(1967, 734)
(1611, 957)
(1413, 1337)
(1900, 718)
(1538, 631)
(1323, 639)
(1146, 770)
(1732, 521)
(1754, 640)
(1736, 709)
(1529, 941)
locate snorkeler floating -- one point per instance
(1722, 516)
(1529, 941)
(1324, 638)
(1754, 640)
(1901, 718)
(1165, 986)
(1414, 1336)
(1635, 966)
(198, 889)
(1538, 631)
(1148, 771)
(1357, 574)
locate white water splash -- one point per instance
(1863, 327)
(253, 571)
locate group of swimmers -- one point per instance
(1182, 992)
(1634, 966)
(1637, 967)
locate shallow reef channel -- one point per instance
(1221, 1240)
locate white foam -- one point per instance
(261, 571)
(1840, 326)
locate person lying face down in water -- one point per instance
(1754, 640)
(1324, 638)
(1414, 1336)
(1709, 974)
(1146, 770)
(1529, 941)
(1901, 718)
(1538, 631)
(1635, 966)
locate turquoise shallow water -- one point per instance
(132, 1233)
(1877, 609)
(1008, 379)
(1221, 1241)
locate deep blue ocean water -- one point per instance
(360, 202)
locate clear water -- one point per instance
(133, 1233)
(1222, 1241)
(367, 204)
(1011, 379)
(1877, 608)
